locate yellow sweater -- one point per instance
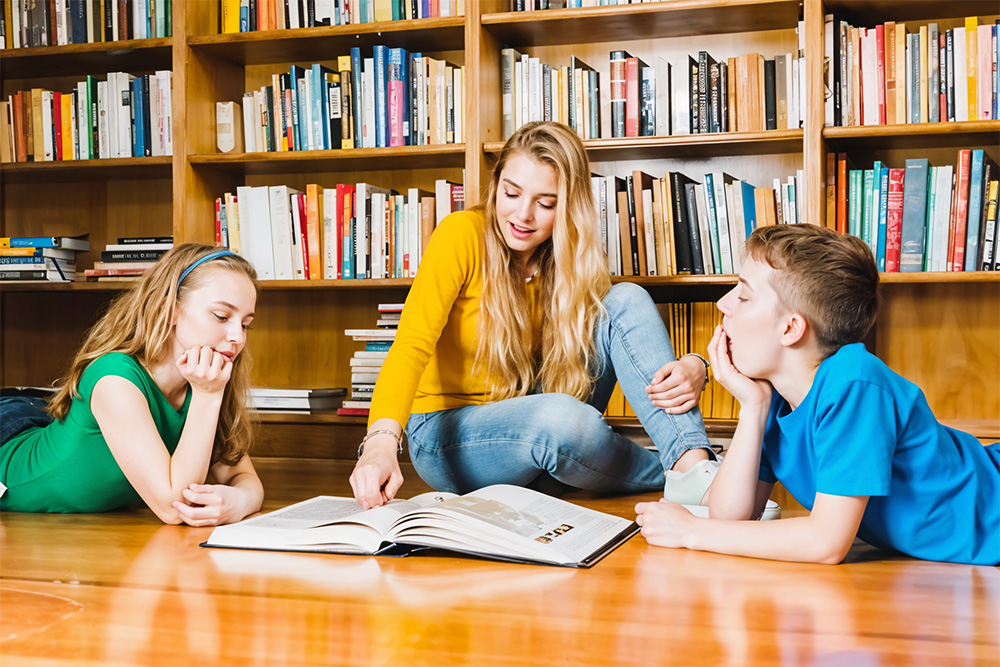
(429, 366)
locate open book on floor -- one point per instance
(499, 522)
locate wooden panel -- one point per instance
(944, 338)
(310, 441)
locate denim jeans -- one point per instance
(20, 412)
(540, 438)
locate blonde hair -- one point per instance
(573, 271)
(139, 323)
(829, 278)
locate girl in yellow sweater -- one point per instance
(511, 341)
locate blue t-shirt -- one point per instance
(863, 430)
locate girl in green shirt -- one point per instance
(154, 404)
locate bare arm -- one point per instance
(237, 494)
(825, 536)
(377, 477)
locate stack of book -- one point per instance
(299, 400)
(118, 116)
(45, 258)
(885, 75)
(366, 364)
(677, 226)
(920, 217)
(348, 231)
(29, 23)
(131, 257)
(247, 16)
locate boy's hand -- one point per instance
(665, 524)
(749, 392)
(677, 386)
(206, 370)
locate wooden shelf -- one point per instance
(136, 55)
(318, 417)
(78, 286)
(324, 43)
(940, 277)
(360, 284)
(914, 136)
(346, 159)
(126, 168)
(686, 146)
(642, 21)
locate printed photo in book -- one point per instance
(499, 522)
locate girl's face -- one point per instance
(217, 314)
(526, 205)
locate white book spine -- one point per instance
(102, 119)
(647, 215)
(722, 222)
(331, 239)
(281, 231)
(368, 103)
(47, 147)
(249, 133)
(166, 79)
(961, 77)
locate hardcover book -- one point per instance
(499, 522)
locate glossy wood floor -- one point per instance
(122, 589)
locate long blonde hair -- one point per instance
(139, 323)
(573, 270)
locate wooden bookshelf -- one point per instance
(939, 330)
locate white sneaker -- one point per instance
(688, 488)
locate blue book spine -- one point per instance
(138, 136)
(397, 268)
(425, 9)
(381, 97)
(377, 345)
(883, 212)
(856, 190)
(347, 270)
(911, 257)
(321, 107)
(244, 18)
(33, 242)
(866, 207)
(78, 21)
(975, 210)
(749, 208)
(996, 70)
(359, 108)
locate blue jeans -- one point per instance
(540, 438)
(18, 413)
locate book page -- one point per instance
(524, 521)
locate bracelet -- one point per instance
(703, 360)
(399, 440)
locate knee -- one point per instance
(566, 420)
(625, 298)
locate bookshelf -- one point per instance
(937, 329)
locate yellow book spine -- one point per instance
(971, 50)
(66, 116)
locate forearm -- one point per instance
(190, 461)
(734, 491)
(251, 491)
(800, 539)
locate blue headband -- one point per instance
(207, 258)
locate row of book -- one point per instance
(393, 98)
(535, 5)
(690, 326)
(129, 258)
(673, 225)
(366, 364)
(745, 93)
(120, 116)
(919, 217)
(40, 258)
(28, 23)
(253, 15)
(886, 75)
(349, 231)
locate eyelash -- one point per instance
(222, 318)
(514, 196)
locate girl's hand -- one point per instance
(206, 370)
(677, 386)
(749, 392)
(376, 477)
(665, 524)
(211, 505)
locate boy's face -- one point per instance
(754, 320)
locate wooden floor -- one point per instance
(122, 589)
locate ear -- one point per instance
(795, 330)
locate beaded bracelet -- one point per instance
(399, 440)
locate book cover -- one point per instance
(914, 215)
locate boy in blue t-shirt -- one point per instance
(852, 441)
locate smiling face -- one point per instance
(526, 203)
(216, 313)
(754, 320)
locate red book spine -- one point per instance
(894, 220)
(20, 142)
(880, 71)
(631, 97)
(951, 225)
(57, 151)
(300, 201)
(842, 193)
(289, 120)
(961, 210)
(943, 89)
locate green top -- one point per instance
(67, 466)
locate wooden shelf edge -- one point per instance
(337, 153)
(716, 139)
(96, 164)
(258, 36)
(320, 417)
(940, 277)
(360, 284)
(77, 286)
(912, 129)
(94, 47)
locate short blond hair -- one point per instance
(827, 277)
